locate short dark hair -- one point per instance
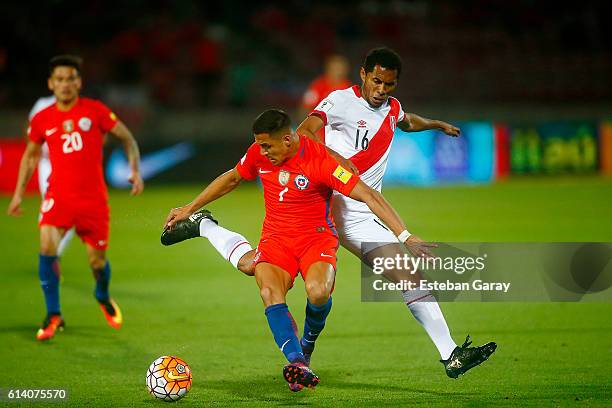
(385, 57)
(271, 121)
(65, 61)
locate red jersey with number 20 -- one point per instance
(75, 138)
(297, 193)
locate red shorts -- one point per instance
(90, 221)
(296, 254)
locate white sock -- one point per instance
(65, 241)
(426, 310)
(231, 245)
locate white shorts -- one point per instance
(356, 227)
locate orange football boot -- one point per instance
(112, 313)
(51, 324)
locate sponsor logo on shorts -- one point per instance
(342, 174)
(85, 124)
(47, 205)
(301, 182)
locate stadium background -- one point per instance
(530, 84)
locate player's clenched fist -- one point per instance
(137, 183)
(14, 207)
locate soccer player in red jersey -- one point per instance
(74, 129)
(333, 78)
(359, 124)
(298, 234)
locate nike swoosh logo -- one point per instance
(308, 341)
(322, 254)
(49, 132)
(284, 344)
(176, 377)
(151, 164)
(264, 171)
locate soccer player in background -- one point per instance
(334, 77)
(298, 234)
(73, 129)
(360, 123)
(44, 167)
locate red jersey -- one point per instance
(297, 193)
(75, 138)
(319, 89)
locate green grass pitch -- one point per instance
(186, 301)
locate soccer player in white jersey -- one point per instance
(44, 166)
(359, 124)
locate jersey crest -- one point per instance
(68, 125)
(85, 124)
(283, 177)
(301, 182)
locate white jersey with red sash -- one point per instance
(362, 134)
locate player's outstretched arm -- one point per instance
(309, 128)
(415, 123)
(121, 132)
(28, 163)
(383, 210)
(220, 186)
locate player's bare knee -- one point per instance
(47, 249)
(268, 294)
(317, 292)
(246, 266)
(97, 262)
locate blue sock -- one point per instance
(102, 280)
(314, 323)
(48, 272)
(284, 330)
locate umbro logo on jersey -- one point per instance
(49, 132)
(361, 123)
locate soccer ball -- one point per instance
(168, 378)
